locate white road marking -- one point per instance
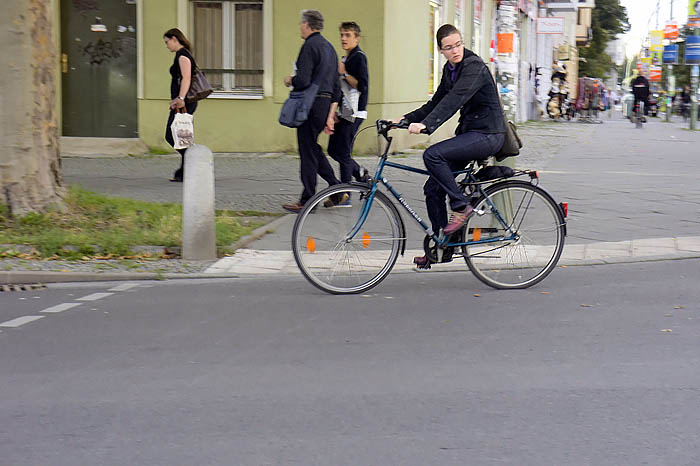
(60, 307)
(20, 321)
(124, 287)
(94, 296)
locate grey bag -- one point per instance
(295, 110)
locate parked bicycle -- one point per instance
(513, 240)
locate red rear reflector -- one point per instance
(565, 208)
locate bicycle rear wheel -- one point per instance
(336, 262)
(528, 250)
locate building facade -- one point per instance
(115, 79)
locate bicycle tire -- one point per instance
(338, 265)
(537, 221)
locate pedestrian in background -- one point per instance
(317, 62)
(354, 75)
(181, 78)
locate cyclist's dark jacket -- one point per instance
(640, 88)
(469, 88)
(309, 66)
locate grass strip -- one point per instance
(94, 225)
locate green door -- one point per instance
(98, 67)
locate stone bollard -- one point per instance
(198, 216)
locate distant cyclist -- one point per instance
(640, 89)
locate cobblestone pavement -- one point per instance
(264, 182)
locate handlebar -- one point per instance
(384, 126)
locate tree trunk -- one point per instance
(30, 166)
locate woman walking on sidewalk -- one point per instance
(181, 74)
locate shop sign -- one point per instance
(656, 42)
(550, 25)
(563, 52)
(671, 31)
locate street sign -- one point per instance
(692, 49)
(670, 54)
(693, 22)
(655, 73)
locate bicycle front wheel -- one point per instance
(522, 234)
(340, 252)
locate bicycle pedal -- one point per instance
(479, 212)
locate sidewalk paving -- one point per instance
(632, 196)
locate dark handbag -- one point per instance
(511, 143)
(295, 110)
(199, 87)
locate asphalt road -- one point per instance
(598, 365)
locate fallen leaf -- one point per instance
(586, 305)
(477, 295)
(667, 330)
(678, 307)
(545, 292)
(668, 315)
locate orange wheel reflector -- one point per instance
(365, 240)
(477, 234)
(311, 244)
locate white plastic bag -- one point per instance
(183, 130)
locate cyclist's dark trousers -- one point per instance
(190, 108)
(442, 159)
(313, 161)
(340, 148)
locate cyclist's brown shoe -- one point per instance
(294, 208)
(422, 262)
(458, 219)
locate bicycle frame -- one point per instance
(436, 237)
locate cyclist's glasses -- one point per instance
(452, 47)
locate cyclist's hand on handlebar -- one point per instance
(397, 120)
(416, 128)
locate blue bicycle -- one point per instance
(349, 236)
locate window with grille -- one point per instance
(228, 44)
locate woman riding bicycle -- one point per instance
(468, 86)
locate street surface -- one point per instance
(597, 366)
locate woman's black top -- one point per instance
(176, 74)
